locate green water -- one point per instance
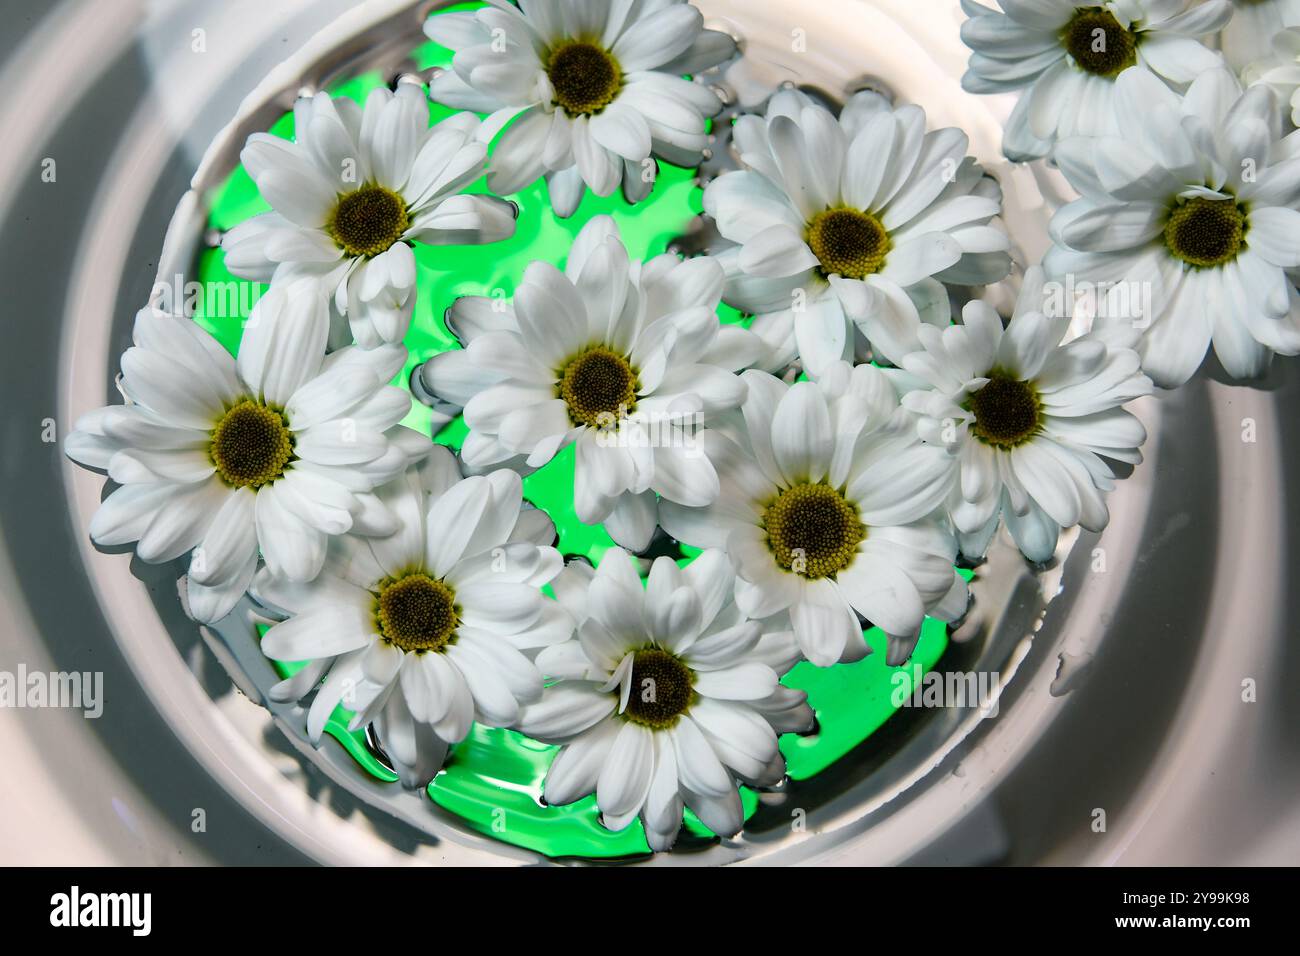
(493, 779)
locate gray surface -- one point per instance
(38, 243)
(1115, 741)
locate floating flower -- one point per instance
(1192, 207)
(1069, 54)
(669, 696)
(851, 222)
(590, 90)
(824, 510)
(276, 452)
(1028, 420)
(351, 195)
(627, 361)
(431, 628)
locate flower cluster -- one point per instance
(831, 456)
(1188, 182)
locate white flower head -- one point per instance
(851, 222)
(1280, 70)
(591, 90)
(669, 696)
(1028, 420)
(1193, 206)
(1069, 55)
(352, 193)
(1249, 34)
(276, 452)
(827, 494)
(422, 632)
(625, 359)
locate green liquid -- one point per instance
(493, 779)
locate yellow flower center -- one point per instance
(584, 76)
(1098, 43)
(1007, 412)
(417, 613)
(848, 242)
(368, 221)
(251, 445)
(1205, 232)
(662, 689)
(599, 386)
(813, 530)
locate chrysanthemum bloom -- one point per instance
(427, 630)
(1193, 206)
(1249, 34)
(627, 360)
(275, 452)
(851, 222)
(1280, 70)
(669, 696)
(1028, 420)
(824, 510)
(591, 90)
(352, 193)
(1069, 54)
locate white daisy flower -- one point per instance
(1280, 70)
(431, 628)
(1194, 205)
(824, 510)
(1069, 54)
(1028, 420)
(627, 360)
(276, 451)
(669, 696)
(351, 195)
(591, 90)
(1249, 34)
(850, 221)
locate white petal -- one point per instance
(748, 681)
(453, 520)
(801, 434)
(777, 251)
(625, 778)
(622, 131)
(323, 632)
(229, 541)
(698, 766)
(565, 710)
(824, 625)
(882, 593)
(284, 340)
(576, 768)
(292, 547)
(921, 257)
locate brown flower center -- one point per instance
(1007, 411)
(813, 530)
(847, 242)
(1205, 232)
(599, 386)
(584, 77)
(661, 689)
(417, 613)
(251, 445)
(368, 221)
(1098, 43)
